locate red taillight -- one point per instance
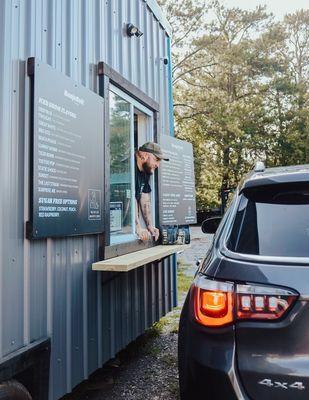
(218, 303)
(213, 302)
(263, 302)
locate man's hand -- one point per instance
(154, 232)
(143, 234)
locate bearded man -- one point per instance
(147, 160)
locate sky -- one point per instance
(278, 7)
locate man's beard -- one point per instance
(147, 169)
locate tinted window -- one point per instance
(272, 221)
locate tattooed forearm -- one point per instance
(146, 208)
(137, 223)
(142, 234)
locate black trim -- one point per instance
(104, 238)
(30, 66)
(125, 85)
(105, 82)
(108, 76)
(29, 366)
(30, 73)
(156, 180)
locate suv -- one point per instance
(244, 327)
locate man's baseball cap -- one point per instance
(153, 148)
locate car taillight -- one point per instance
(218, 303)
(213, 302)
(263, 302)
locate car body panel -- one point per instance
(276, 351)
(211, 358)
(295, 277)
(272, 358)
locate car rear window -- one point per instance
(272, 221)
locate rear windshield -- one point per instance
(272, 221)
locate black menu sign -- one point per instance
(176, 183)
(67, 156)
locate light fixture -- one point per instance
(133, 30)
(139, 33)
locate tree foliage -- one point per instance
(240, 89)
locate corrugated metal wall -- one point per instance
(47, 287)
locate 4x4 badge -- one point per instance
(282, 385)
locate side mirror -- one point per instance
(210, 225)
(198, 261)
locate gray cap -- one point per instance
(153, 148)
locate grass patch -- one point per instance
(174, 389)
(184, 282)
(152, 349)
(169, 359)
(171, 320)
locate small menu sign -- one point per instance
(177, 183)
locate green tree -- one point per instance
(290, 87)
(240, 90)
(224, 101)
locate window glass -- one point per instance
(272, 221)
(131, 125)
(143, 134)
(121, 155)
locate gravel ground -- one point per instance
(200, 242)
(147, 368)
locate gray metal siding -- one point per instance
(60, 306)
(134, 301)
(37, 281)
(47, 287)
(91, 337)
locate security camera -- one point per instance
(133, 30)
(138, 33)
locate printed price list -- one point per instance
(177, 186)
(58, 162)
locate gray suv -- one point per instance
(244, 327)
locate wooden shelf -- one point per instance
(134, 260)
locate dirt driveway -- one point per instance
(147, 368)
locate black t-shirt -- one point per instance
(141, 183)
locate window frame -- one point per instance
(107, 78)
(114, 239)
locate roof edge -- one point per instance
(157, 11)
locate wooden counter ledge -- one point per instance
(134, 260)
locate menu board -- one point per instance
(177, 183)
(67, 156)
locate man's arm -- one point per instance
(146, 212)
(143, 234)
(146, 208)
